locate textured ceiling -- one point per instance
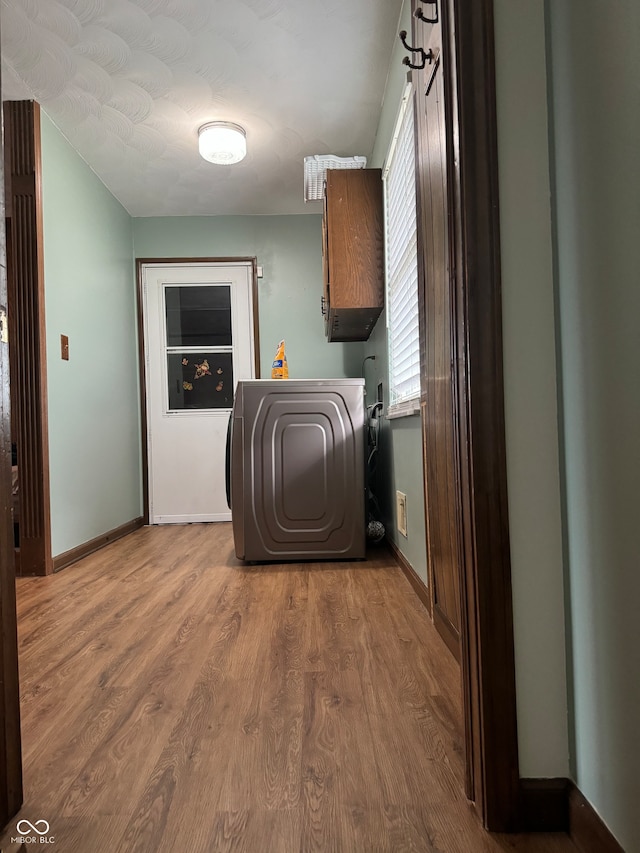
(128, 82)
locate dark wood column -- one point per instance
(28, 339)
(10, 750)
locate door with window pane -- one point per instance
(198, 330)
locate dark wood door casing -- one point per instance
(486, 578)
(10, 742)
(28, 342)
(463, 46)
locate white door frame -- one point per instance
(141, 264)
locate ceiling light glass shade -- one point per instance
(222, 142)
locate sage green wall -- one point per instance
(400, 464)
(531, 414)
(94, 431)
(289, 248)
(596, 117)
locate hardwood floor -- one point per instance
(175, 700)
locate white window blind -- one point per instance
(402, 264)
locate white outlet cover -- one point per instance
(401, 513)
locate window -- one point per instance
(199, 348)
(402, 266)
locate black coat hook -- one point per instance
(421, 16)
(424, 58)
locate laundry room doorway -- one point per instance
(198, 324)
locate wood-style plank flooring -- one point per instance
(175, 700)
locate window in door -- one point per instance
(198, 346)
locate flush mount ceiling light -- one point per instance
(222, 142)
(315, 170)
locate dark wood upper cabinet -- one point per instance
(352, 253)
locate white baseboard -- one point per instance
(190, 519)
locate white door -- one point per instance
(198, 333)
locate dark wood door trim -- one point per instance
(488, 646)
(28, 343)
(487, 649)
(140, 263)
(10, 749)
(436, 294)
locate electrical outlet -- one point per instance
(401, 512)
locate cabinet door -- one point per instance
(355, 242)
(354, 253)
(326, 293)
